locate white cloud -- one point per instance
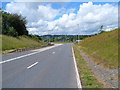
(33, 11)
(87, 20)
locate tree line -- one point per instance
(63, 38)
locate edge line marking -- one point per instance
(76, 70)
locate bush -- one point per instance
(12, 32)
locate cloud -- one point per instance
(92, 16)
(44, 19)
(33, 11)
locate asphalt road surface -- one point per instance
(51, 68)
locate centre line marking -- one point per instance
(32, 65)
(53, 52)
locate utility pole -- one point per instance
(101, 27)
(78, 34)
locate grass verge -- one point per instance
(87, 77)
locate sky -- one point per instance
(66, 18)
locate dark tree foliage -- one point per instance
(12, 32)
(13, 23)
(0, 22)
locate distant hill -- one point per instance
(63, 38)
(103, 48)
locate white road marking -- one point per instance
(12, 59)
(17, 58)
(32, 65)
(76, 69)
(53, 52)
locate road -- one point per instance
(50, 68)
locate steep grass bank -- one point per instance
(102, 48)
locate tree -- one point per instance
(19, 23)
(16, 21)
(12, 32)
(0, 22)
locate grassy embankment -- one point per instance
(102, 48)
(86, 75)
(11, 43)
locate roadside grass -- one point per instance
(87, 77)
(102, 48)
(12, 43)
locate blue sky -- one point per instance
(66, 17)
(66, 5)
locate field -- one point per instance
(10, 43)
(102, 48)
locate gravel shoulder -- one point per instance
(107, 76)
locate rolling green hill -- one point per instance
(9, 42)
(102, 48)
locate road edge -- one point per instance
(76, 70)
(23, 49)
